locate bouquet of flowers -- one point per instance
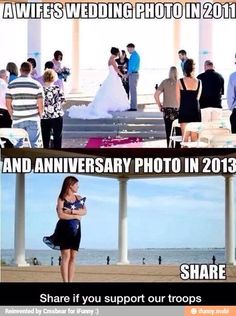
(63, 73)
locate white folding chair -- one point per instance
(224, 141)
(173, 137)
(2, 143)
(195, 127)
(207, 134)
(207, 130)
(14, 135)
(226, 114)
(223, 123)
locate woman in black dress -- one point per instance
(123, 63)
(188, 94)
(67, 235)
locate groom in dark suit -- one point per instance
(133, 75)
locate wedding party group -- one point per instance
(35, 102)
(195, 98)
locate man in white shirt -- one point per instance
(231, 99)
(5, 119)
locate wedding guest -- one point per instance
(123, 64)
(169, 106)
(5, 119)
(50, 65)
(133, 75)
(188, 94)
(231, 99)
(183, 57)
(34, 73)
(212, 91)
(62, 72)
(13, 70)
(24, 101)
(52, 118)
(58, 56)
(67, 234)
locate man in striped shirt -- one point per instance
(24, 101)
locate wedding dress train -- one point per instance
(111, 97)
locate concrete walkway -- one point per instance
(122, 124)
(147, 124)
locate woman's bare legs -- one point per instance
(71, 268)
(194, 136)
(185, 136)
(65, 259)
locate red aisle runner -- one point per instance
(113, 142)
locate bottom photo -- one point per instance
(107, 216)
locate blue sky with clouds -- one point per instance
(176, 212)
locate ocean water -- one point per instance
(98, 257)
(91, 79)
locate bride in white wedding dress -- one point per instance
(111, 97)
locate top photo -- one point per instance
(117, 74)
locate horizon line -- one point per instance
(145, 248)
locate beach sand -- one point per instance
(93, 273)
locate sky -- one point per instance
(162, 213)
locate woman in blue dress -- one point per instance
(67, 234)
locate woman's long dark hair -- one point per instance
(114, 51)
(58, 53)
(68, 181)
(12, 68)
(124, 53)
(189, 67)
